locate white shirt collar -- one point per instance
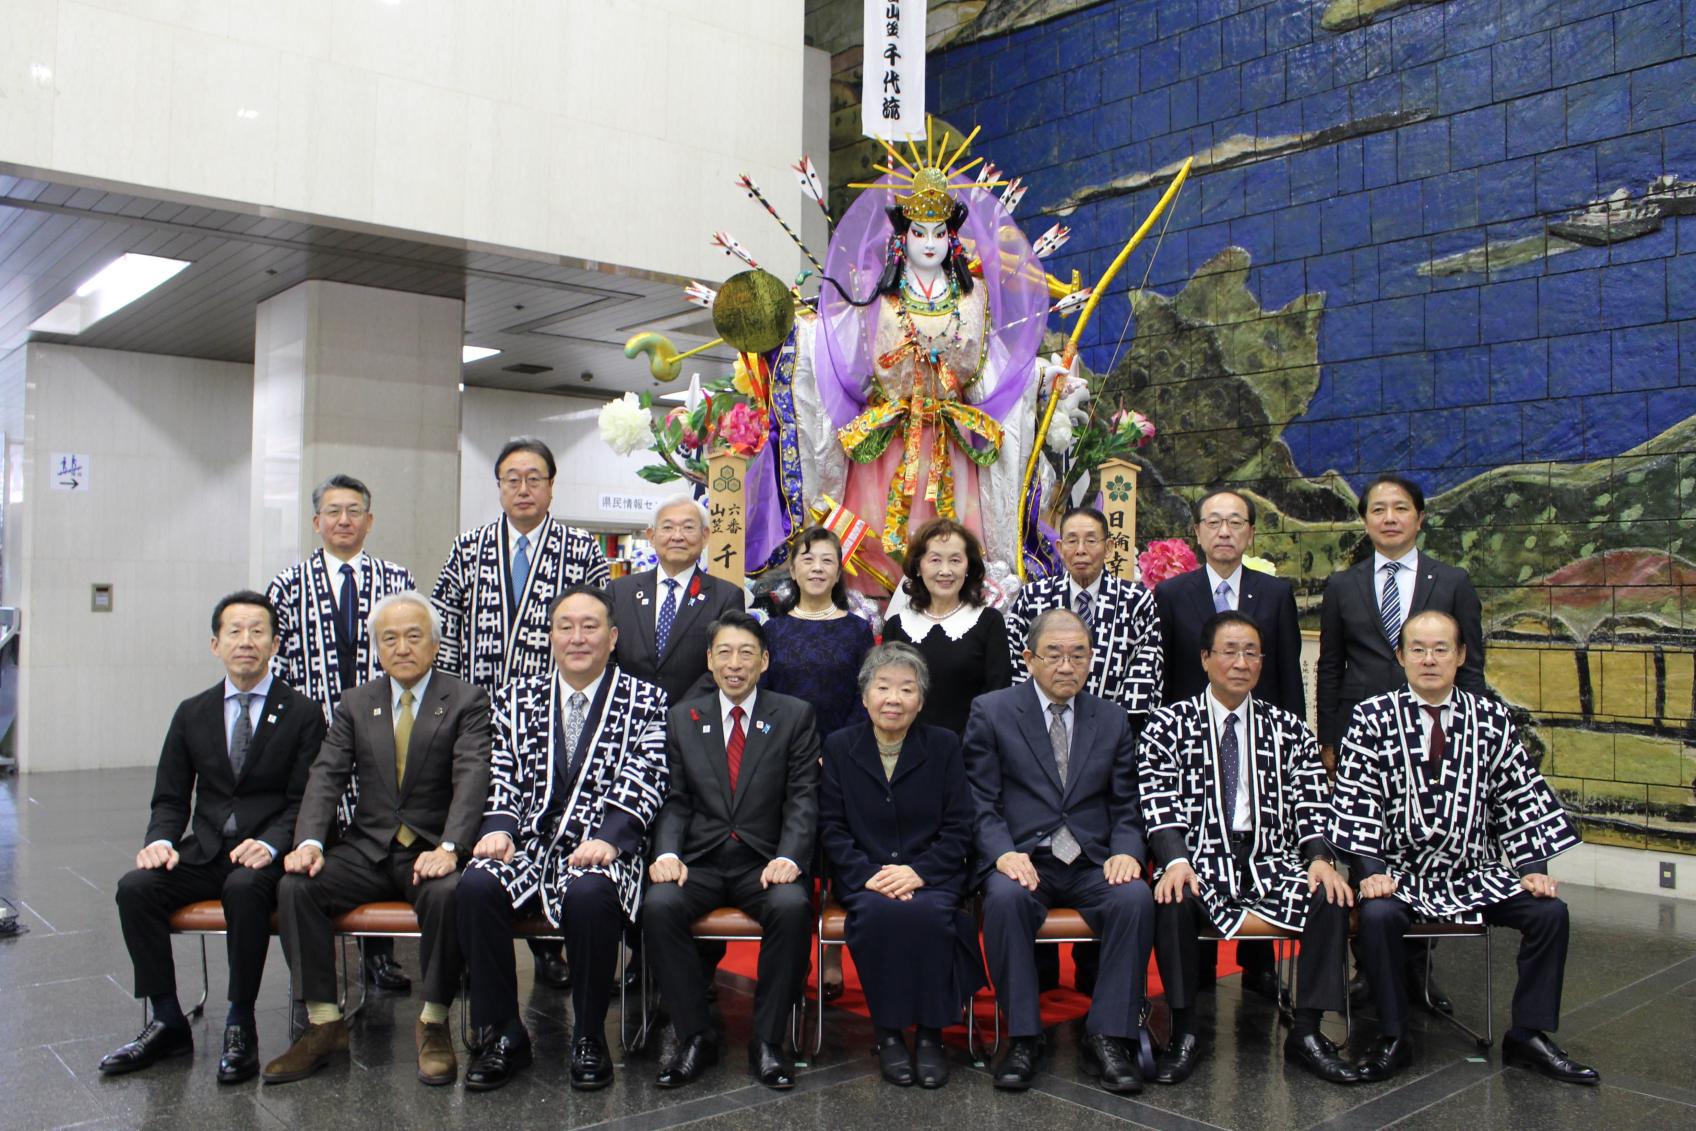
(1093, 588)
(747, 705)
(1217, 711)
(1235, 580)
(1408, 561)
(334, 563)
(566, 691)
(396, 691)
(262, 689)
(1443, 708)
(1042, 697)
(682, 579)
(513, 534)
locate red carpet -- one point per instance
(1059, 1005)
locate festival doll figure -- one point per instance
(930, 380)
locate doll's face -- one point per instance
(927, 244)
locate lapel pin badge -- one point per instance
(376, 712)
(270, 718)
(440, 711)
(706, 728)
(762, 726)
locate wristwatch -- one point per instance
(449, 846)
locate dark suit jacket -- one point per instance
(1356, 662)
(775, 810)
(682, 671)
(1185, 602)
(447, 768)
(1016, 785)
(922, 817)
(194, 767)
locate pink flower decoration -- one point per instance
(743, 429)
(1134, 426)
(1165, 558)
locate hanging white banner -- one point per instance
(892, 86)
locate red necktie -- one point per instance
(733, 747)
(1439, 744)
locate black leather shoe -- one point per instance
(1318, 1055)
(154, 1043)
(1179, 1060)
(1018, 1068)
(694, 1057)
(591, 1064)
(1417, 987)
(1105, 1057)
(551, 970)
(769, 1066)
(241, 1055)
(499, 1061)
(930, 1061)
(382, 971)
(894, 1059)
(1541, 1054)
(1383, 1058)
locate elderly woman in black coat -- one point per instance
(895, 821)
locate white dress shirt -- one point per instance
(724, 708)
(534, 534)
(1242, 818)
(1234, 583)
(1404, 579)
(232, 709)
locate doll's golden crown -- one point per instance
(929, 183)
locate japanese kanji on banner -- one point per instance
(892, 92)
(1119, 504)
(727, 532)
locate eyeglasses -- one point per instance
(1054, 658)
(1093, 541)
(678, 528)
(1214, 522)
(514, 482)
(334, 514)
(1232, 655)
(1440, 652)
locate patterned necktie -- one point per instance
(1222, 597)
(1438, 744)
(1063, 844)
(520, 566)
(1229, 754)
(733, 746)
(403, 739)
(668, 613)
(579, 703)
(349, 606)
(242, 737)
(1390, 609)
(1085, 608)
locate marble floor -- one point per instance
(1630, 1009)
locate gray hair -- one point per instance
(894, 653)
(681, 499)
(339, 483)
(405, 597)
(1051, 619)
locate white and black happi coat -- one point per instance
(621, 782)
(1128, 663)
(307, 660)
(1183, 790)
(491, 635)
(1454, 839)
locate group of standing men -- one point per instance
(480, 755)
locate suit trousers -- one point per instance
(148, 896)
(592, 920)
(730, 876)
(1122, 916)
(1321, 981)
(1541, 923)
(306, 906)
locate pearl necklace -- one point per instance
(942, 616)
(824, 614)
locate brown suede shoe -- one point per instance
(436, 1061)
(309, 1054)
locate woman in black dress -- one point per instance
(895, 820)
(816, 644)
(963, 641)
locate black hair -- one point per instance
(736, 618)
(810, 537)
(1087, 512)
(1392, 480)
(1211, 626)
(340, 483)
(1213, 492)
(957, 263)
(971, 590)
(532, 444)
(594, 591)
(243, 597)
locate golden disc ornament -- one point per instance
(754, 311)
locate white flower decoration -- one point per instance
(625, 425)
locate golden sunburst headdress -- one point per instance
(930, 195)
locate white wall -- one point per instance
(587, 467)
(163, 518)
(603, 130)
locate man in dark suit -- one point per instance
(735, 829)
(663, 613)
(1053, 771)
(238, 754)
(419, 741)
(1360, 622)
(1224, 531)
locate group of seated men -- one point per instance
(572, 789)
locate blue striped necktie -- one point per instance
(1390, 610)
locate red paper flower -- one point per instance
(743, 429)
(1165, 558)
(694, 715)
